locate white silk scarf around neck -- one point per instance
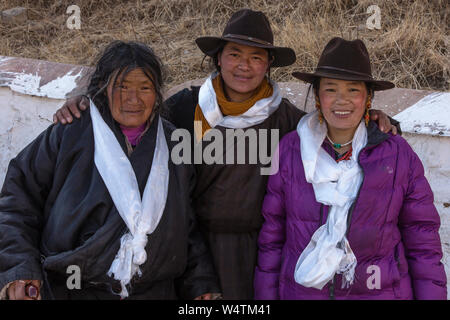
(336, 185)
(259, 112)
(141, 216)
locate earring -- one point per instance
(368, 105)
(320, 115)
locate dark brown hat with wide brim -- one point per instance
(251, 28)
(345, 60)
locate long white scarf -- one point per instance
(141, 217)
(259, 112)
(335, 184)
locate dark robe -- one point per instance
(55, 211)
(228, 197)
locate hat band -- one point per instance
(345, 70)
(241, 37)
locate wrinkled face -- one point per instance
(242, 68)
(131, 101)
(342, 102)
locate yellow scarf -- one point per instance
(229, 108)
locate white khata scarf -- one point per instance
(140, 216)
(335, 184)
(259, 112)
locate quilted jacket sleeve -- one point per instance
(272, 235)
(419, 225)
(22, 200)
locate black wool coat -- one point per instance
(55, 211)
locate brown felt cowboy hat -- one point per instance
(345, 60)
(251, 28)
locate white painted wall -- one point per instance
(24, 116)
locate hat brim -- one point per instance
(283, 56)
(377, 85)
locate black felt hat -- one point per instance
(250, 28)
(345, 60)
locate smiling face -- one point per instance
(342, 103)
(242, 69)
(132, 99)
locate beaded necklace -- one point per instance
(344, 156)
(339, 145)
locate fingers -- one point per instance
(58, 117)
(206, 296)
(66, 114)
(373, 114)
(11, 291)
(394, 130)
(32, 290)
(71, 108)
(83, 105)
(18, 290)
(384, 124)
(63, 115)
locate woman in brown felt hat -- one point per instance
(350, 214)
(239, 95)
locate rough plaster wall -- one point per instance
(22, 118)
(434, 151)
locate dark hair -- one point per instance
(123, 57)
(215, 57)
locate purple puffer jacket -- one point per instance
(392, 227)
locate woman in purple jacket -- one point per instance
(349, 214)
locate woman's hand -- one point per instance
(209, 296)
(71, 108)
(25, 290)
(383, 121)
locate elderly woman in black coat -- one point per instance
(95, 209)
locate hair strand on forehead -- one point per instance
(117, 60)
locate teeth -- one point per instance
(342, 112)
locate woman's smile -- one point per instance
(342, 114)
